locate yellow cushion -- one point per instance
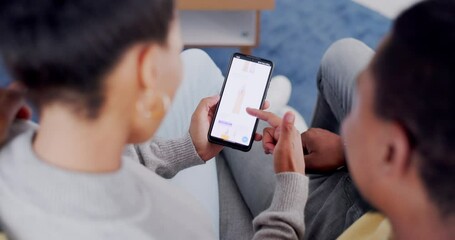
(371, 226)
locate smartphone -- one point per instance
(246, 85)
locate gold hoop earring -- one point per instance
(166, 100)
(142, 109)
(157, 112)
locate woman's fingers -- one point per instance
(269, 117)
(266, 105)
(257, 137)
(268, 142)
(289, 153)
(210, 102)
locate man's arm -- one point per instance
(324, 151)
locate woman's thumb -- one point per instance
(287, 125)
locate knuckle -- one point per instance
(194, 117)
(304, 135)
(267, 130)
(310, 131)
(205, 100)
(289, 127)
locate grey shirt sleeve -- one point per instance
(284, 219)
(166, 157)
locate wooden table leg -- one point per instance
(246, 50)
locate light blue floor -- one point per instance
(296, 34)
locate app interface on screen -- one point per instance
(244, 88)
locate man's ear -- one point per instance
(397, 161)
(147, 67)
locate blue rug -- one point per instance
(296, 34)
(4, 79)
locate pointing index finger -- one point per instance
(269, 117)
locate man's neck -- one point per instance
(76, 144)
(420, 220)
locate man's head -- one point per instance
(400, 134)
(93, 56)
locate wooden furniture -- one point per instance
(222, 23)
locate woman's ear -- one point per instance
(147, 67)
(397, 161)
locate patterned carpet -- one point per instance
(3, 77)
(295, 36)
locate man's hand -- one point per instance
(324, 150)
(282, 140)
(199, 127)
(12, 106)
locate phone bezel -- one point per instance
(220, 141)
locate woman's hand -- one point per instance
(12, 106)
(282, 140)
(199, 127)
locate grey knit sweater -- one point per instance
(40, 201)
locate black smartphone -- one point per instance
(246, 85)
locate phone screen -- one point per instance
(245, 86)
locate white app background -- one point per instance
(244, 88)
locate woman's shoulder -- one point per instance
(155, 183)
(173, 205)
(18, 141)
(18, 128)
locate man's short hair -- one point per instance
(61, 50)
(415, 86)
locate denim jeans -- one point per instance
(333, 203)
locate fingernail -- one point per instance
(289, 118)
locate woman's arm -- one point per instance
(168, 157)
(284, 219)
